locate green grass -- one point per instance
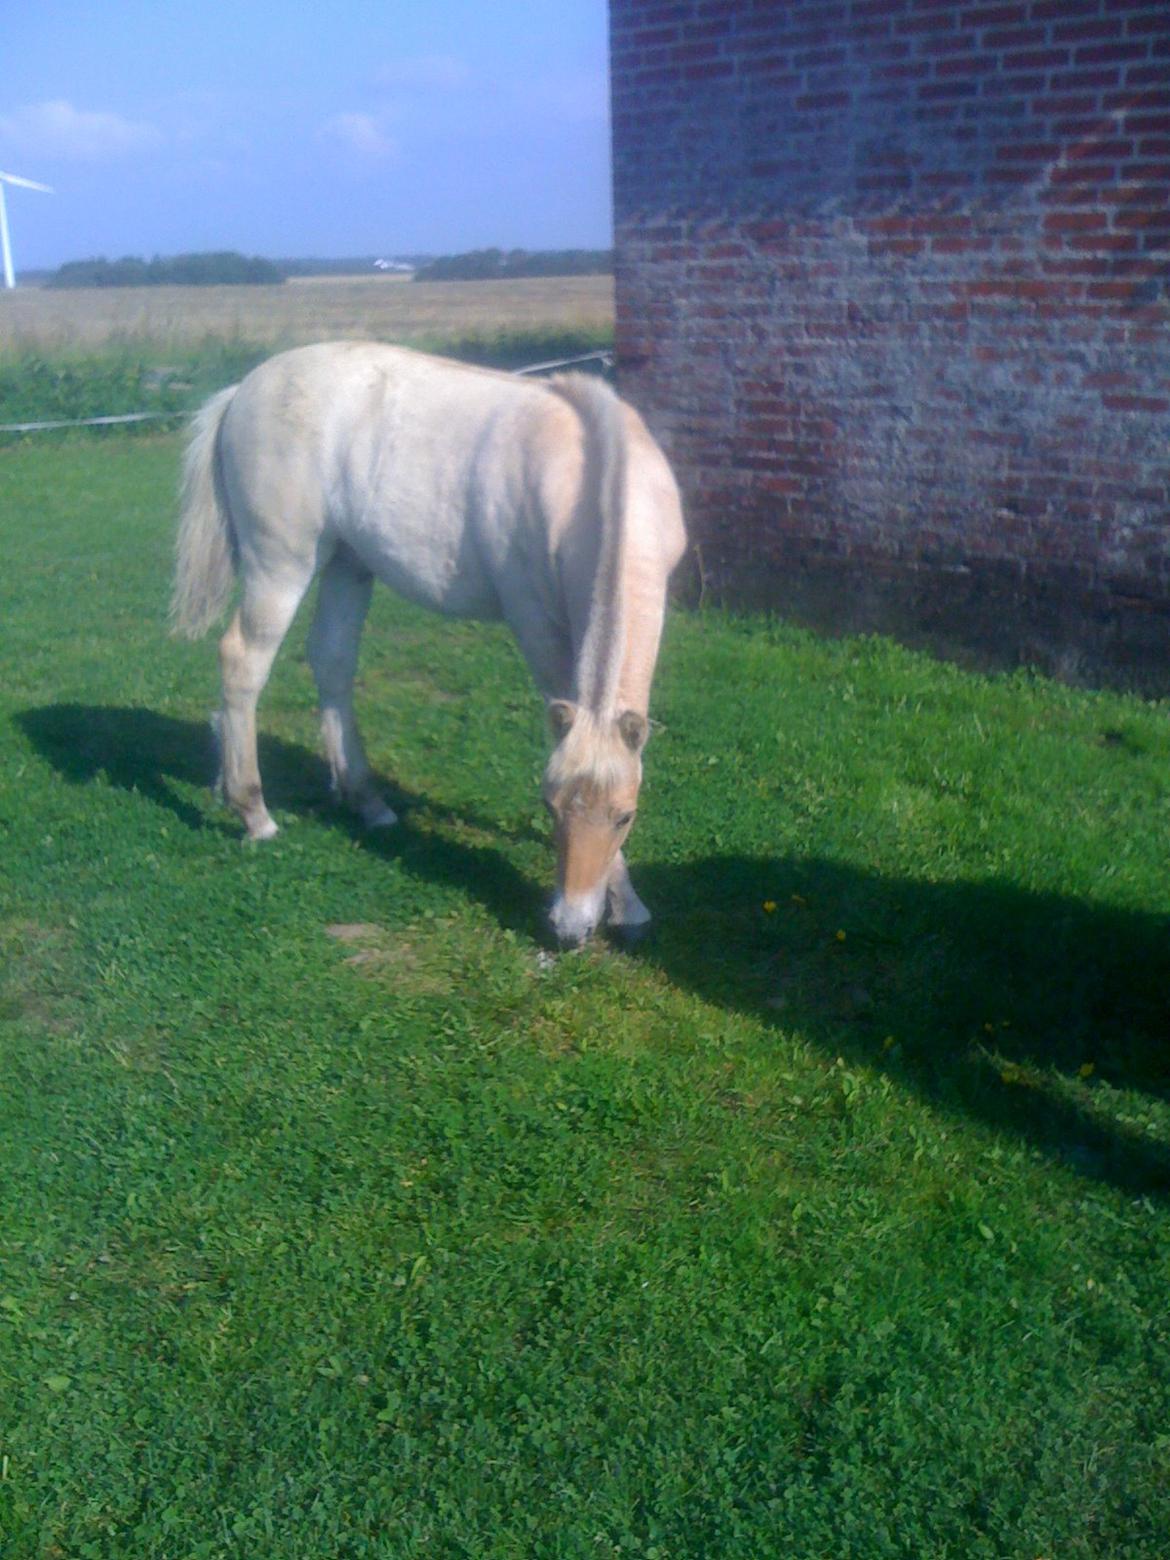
(52, 386)
(338, 1220)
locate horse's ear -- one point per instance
(561, 715)
(634, 729)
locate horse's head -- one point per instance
(591, 790)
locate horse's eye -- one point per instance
(624, 821)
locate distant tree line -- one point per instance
(202, 270)
(360, 265)
(488, 264)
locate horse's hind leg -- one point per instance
(246, 653)
(342, 603)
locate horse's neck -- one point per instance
(615, 613)
(614, 662)
(600, 653)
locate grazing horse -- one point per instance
(476, 493)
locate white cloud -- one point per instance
(423, 72)
(58, 130)
(361, 134)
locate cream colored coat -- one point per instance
(476, 493)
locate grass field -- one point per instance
(341, 1221)
(160, 320)
(162, 350)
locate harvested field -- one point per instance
(92, 319)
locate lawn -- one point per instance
(340, 1219)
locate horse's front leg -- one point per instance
(627, 915)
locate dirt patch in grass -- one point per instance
(38, 985)
(407, 959)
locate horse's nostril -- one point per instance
(570, 935)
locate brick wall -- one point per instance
(894, 290)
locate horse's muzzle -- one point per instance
(574, 921)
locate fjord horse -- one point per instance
(476, 493)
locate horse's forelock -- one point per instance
(591, 752)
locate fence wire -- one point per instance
(605, 358)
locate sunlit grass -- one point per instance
(340, 1219)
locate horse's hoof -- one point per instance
(263, 831)
(633, 933)
(379, 817)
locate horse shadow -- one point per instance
(141, 750)
(977, 996)
(158, 756)
(990, 1001)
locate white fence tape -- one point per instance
(87, 422)
(603, 357)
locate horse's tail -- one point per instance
(603, 418)
(205, 552)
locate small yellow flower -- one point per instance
(1086, 1069)
(840, 936)
(769, 907)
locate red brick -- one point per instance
(717, 70)
(1089, 27)
(1140, 99)
(1035, 59)
(994, 16)
(1061, 10)
(1084, 79)
(968, 65)
(934, 91)
(1013, 38)
(1099, 149)
(1083, 172)
(1028, 151)
(1111, 53)
(1155, 20)
(1064, 103)
(1137, 403)
(926, 22)
(1102, 243)
(814, 102)
(1073, 221)
(1148, 124)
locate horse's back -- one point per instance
(403, 457)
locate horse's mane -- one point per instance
(599, 655)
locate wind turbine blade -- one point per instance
(27, 184)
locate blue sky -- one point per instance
(347, 127)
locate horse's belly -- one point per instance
(454, 597)
(451, 581)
